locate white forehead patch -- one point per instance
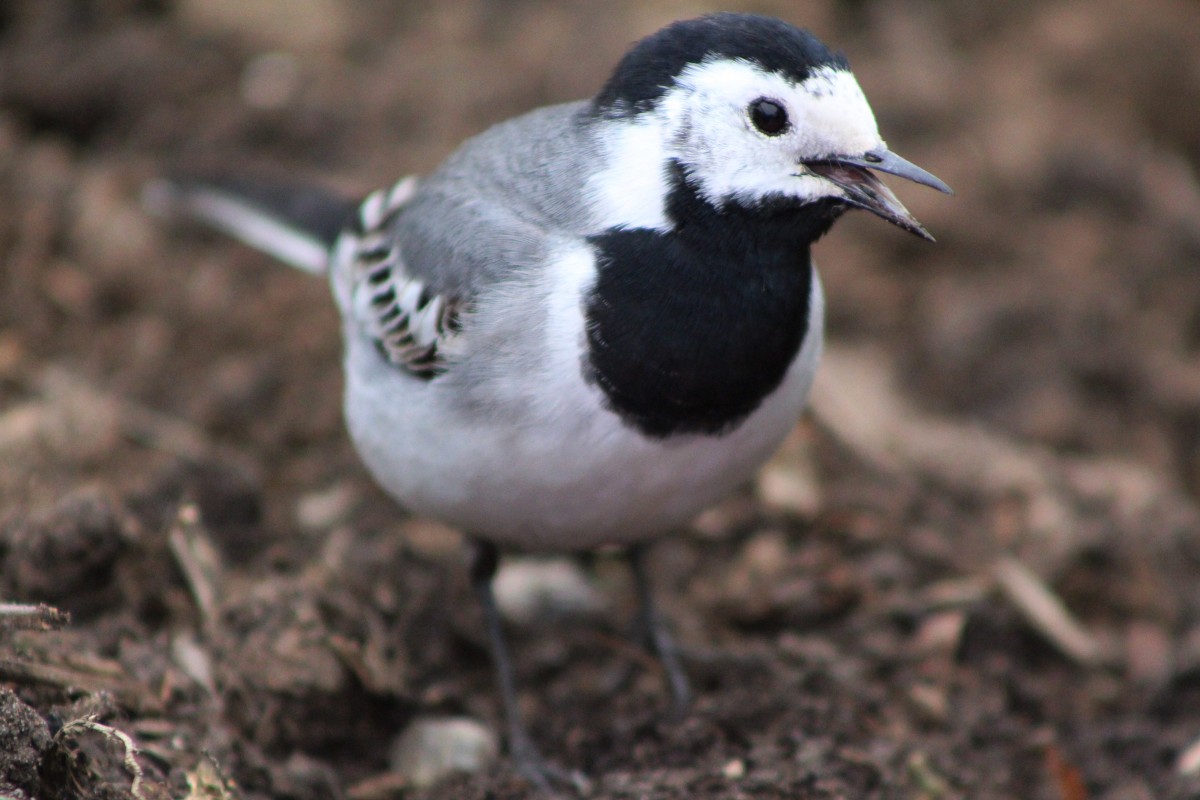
(836, 118)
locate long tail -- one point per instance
(297, 225)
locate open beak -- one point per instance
(865, 190)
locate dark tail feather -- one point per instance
(297, 225)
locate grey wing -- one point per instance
(418, 255)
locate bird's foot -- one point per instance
(548, 778)
(652, 633)
(653, 636)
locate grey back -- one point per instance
(494, 205)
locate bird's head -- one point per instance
(748, 110)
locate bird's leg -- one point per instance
(483, 560)
(650, 630)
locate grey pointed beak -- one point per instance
(853, 174)
(883, 160)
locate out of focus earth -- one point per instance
(973, 571)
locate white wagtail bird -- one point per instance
(597, 319)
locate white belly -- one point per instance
(571, 476)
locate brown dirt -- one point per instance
(244, 603)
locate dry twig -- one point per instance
(129, 761)
(1047, 614)
(32, 617)
(198, 559)
(379, 787)
(130, 694)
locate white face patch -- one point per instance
(703, 121)
(631, 190)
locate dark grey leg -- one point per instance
(649, 628)
(483, 560)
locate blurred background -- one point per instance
(1008, 422)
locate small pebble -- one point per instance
(791, 488)
(194, 660)
(434, 748)
(1188, 762)
(433, 539)
(528, 589)
(940, 633)
(930, 702)
(322, 509)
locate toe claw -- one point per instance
(544, 775)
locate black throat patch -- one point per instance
(689, 330)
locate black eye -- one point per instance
(768, 116)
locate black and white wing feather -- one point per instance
(413, 327)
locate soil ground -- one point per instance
(971, 573)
